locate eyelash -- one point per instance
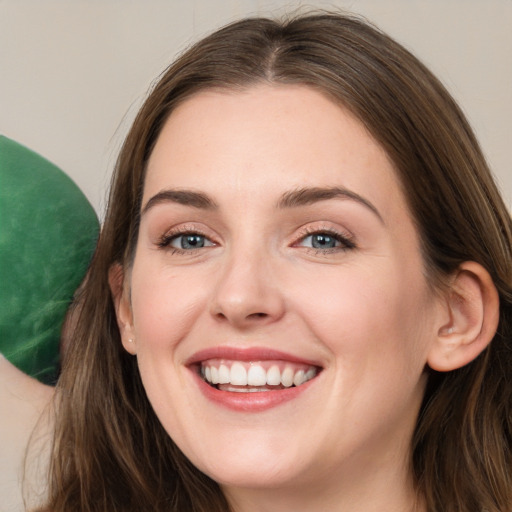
(346, 241)
(165, 241)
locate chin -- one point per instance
(260, 461)
(253, 475)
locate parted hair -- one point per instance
(110, 452)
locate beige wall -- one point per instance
(73, 72)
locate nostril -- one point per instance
(239, 309)
(258, 315)
(251, 317)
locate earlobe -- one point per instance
(121, 299)
(472, 303)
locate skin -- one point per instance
(363, 311)
(23, 427)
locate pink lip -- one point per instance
(250, 402)
(247, 402)
(246, 354)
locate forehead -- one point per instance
(268, 136)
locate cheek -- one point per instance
(163, 315)
(164, 304)
(369, 316)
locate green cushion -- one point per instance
(48, 231)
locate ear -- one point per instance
(121, 298)
(473, 313)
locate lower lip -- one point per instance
(251, 402)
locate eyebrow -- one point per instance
(184, 197)
(305, 196)
(291, 199)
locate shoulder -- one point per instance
(22, 401)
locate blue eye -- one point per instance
(189, 241)
(323, 240)
(320, 241)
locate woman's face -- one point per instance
(276, 247)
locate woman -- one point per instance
(301, 297)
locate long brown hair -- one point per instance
(110, 451)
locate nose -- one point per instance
(247, 292)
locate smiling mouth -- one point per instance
(255, 376)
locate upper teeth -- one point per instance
(254, 373)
